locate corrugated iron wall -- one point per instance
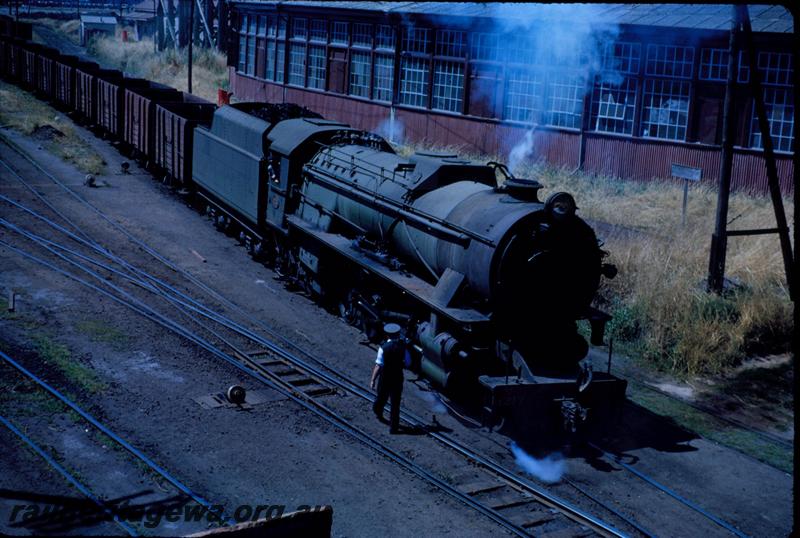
(617, 156)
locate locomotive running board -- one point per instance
(416, 287)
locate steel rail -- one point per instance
(703, 409)
(347, 384)
(312, 405)
(68, 476)
(43, 199)
(353, 388)
(694, 506)
(713, 518)
(119, 440)
(543, 496)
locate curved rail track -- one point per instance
(304, 379)
(95, 423)
(504, 491)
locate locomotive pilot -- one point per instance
(388, 372)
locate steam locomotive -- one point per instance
(487, 280)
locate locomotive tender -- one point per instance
(487, 280)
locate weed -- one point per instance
(100, 332)
(58, 356)
(26, 114)
(661, 311)
(209, 67)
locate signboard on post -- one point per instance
(687, 174)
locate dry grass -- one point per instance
(140, 59)
(661, 310)
(68, 28)
(23, 112)
(209, 71)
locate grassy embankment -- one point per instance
(661, 310)
(139, 58)
(21, 111)
(169, 67)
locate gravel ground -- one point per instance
(278, 453)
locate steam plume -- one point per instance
(549, 469)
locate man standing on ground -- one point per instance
(388, 372)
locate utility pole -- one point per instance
(769, 153)
(719, 241)
(191, 41)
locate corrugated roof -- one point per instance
(764, 18)
(96, 19)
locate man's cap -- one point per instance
(391, 328)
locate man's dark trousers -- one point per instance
(389, 386)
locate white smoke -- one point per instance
(433, 401)
(575, 37)
(521, 152)
(548, 469)
(392, 129)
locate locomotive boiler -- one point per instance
(487, 279)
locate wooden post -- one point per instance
(160, 34)
(222, 25)
(171, 21)
(769, 152)
(191, 45)
(719, 241)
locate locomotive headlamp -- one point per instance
(560, 205)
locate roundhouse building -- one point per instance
(618, 89)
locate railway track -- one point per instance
(499, 491)
(107, 508)
(503, 492)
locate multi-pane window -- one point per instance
(613, 107)
(622, 57)
(269, 72)
(316, 67)
(451, 43)
(280, 62)
(281, 26)
(362, 35)
(242, 45)
(670, 61)
(485, 47)
(262, 26)
(523, 98)
(385, 37)
(713, 64)
(319, 31)
(780, 113)
(299, 29)
(414, 82)
(339, 33)
(665, 110)
(775, 68)
(384, 78)
(297, 64)
(359, 74)
(565, 100)
(448, 86)
(416, 39)
(518, 49)
(271, 27)
(251, 45)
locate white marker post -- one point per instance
(687, 174)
